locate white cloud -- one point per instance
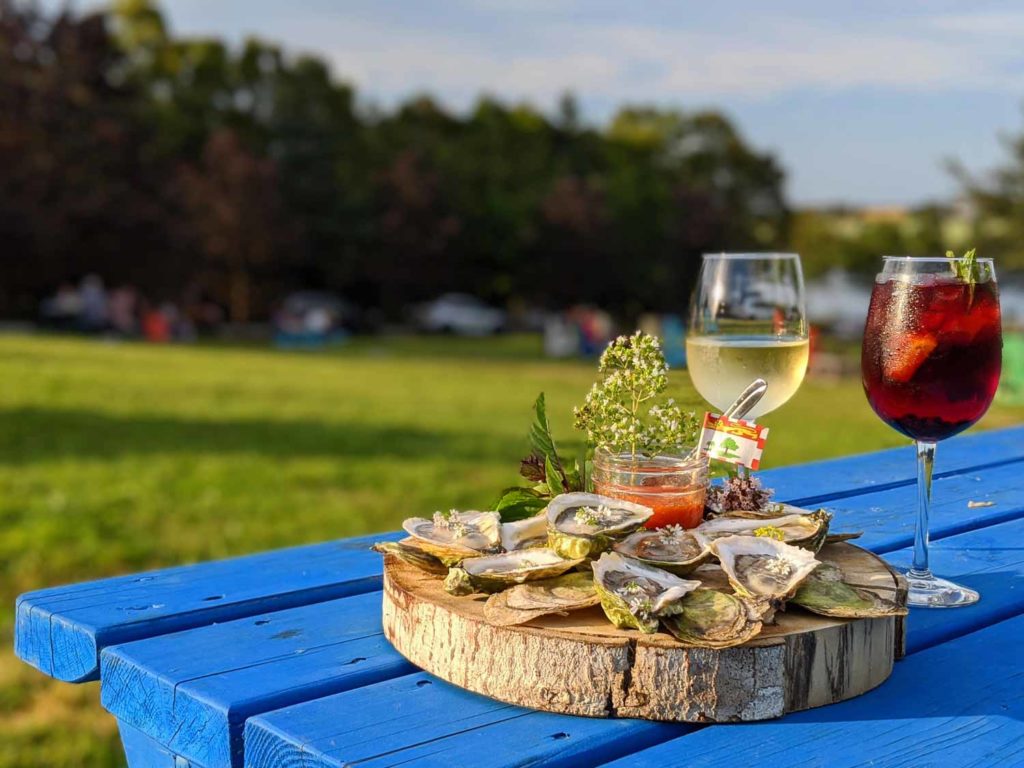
(643, 62)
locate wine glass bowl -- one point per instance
(930, 364)
(747, 321)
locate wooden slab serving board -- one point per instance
(582, 665)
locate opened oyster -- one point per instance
(411, 554)
(525, 533)
(801, 530)
(672, 548)
(585, 524)
(637, 595)
(712, 619)
(493, 573)
(763, 568)
(529, 601)
(826, 593)
(454, 536)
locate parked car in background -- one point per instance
(313, 318)
(461, 314)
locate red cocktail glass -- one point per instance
(931, 360)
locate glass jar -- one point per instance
(673, 486)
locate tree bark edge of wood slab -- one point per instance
(581, 665)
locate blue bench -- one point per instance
(277, 659)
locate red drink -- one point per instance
(932, 353)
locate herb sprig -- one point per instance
(964, 269)
(624, 411)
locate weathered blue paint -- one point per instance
(192, 691)
(420, 720)
(61, 630)
(958, 704)
(143, 752)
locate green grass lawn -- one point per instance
(119, 457)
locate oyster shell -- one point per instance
(585, 524)
(801, 530)
(672, 548)
(411, 554)
(525, 533)
(713, 619)
(759, 567)
(826, 593)
(454, 536)
(636, 595)
(529, 601)
(493, 573)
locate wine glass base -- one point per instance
(928, 591)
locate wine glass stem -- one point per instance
(925, 462)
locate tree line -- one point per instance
(186, 164)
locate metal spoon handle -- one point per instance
(747, 399)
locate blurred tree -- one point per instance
(997, 200)
(235, 208)
(175, 162)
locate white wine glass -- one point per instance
(748, 320)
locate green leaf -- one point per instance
(556, 481)
(517, 503)
(541, 441)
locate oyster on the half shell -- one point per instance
(529, 601)
(408, 552)
(454, 536)
(493, 573)
(713, 619)
(801, 530)
(763, 569)
(525, 533)
(636, 595)
(585, 524)
(826, 593)
(672, 548)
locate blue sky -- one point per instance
(862, 103)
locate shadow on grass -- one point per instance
(40, 434)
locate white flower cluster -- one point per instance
(615, 414)
(450, 521)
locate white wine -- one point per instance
(722, 366)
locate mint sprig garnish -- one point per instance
(964, 271)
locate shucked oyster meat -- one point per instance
(637, 595)
(672, 548)
(585, 524)
(493, 573)
(802, 530)
(529, 601)
(713, 619)
(454, 536)
(826, 593)
(763, 568)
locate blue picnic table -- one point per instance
(277, 659)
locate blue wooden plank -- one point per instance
(61, 630)
(421, 720)
(888, 517)
(822, 481)
(192, 691)
(957, 704)
(142, 752)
